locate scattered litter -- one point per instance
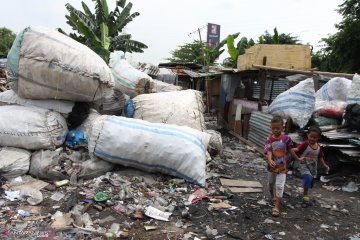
(101, 197)
(157, 214)
(269, 237)
(262, 202)
(221, 205)
(282, 233)
(57, 196)
(350, 187)
(324, 226)
(324, 179)
(62, 183)
(12, 195)
(211, 231)
(150, 228)
(268, 220)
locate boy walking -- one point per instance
(276, 148)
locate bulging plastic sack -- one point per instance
(354, 91)
(296, 103)
(154, 147)
(31, 128)
(128, 79)
(331, 98)
(14, 162)
(51, 65)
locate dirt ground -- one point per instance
(331, 214)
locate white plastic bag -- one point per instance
(11, 98)
(332, 96)
(297, 103)
(54, 66)
(128, 79)
(14, 162)
(154, 147)
(354, 91)
(158, 86)
(183, 108)
(31, 128)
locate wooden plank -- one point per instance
(245, 190)
(239, 183)
(309, 72)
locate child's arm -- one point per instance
(293, 152)
(323, 163)
(270, 160)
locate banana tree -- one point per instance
(102, 30)
(233, 51)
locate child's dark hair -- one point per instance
(315, 129)
(277, 119)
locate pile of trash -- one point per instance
(69, 117)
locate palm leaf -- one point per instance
(101, 11)
(88, 13)
(83, 29)
(125, 13)
(81, 16)
(105, 41)
(231, 47)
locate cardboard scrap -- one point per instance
(240, 183)
(221, 205)
(62, 221)
(245, 190)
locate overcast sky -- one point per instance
(165, 24)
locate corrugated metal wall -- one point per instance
(259, 128)
(280, 85)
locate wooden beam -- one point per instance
(347, 75)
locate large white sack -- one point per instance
(297, 103)
(46, 164)
(14, 162)
(354, 91)
(31, 128)
(333, 94)
(154, 147)
(55, 66)
(11, 98)
(128, 79)
(158, 86)
(111, 104)
(183, 108)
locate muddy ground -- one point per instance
(331, 214)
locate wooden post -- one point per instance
(262, 79)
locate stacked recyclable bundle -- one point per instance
(57, 81)
(52, 71)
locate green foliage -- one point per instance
(233, 51)
(102, 30)
(342, 49)
(197, 52)
(276, 38)
(6, 39)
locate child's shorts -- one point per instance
(308, 181)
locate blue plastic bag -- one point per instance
(76, 138)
